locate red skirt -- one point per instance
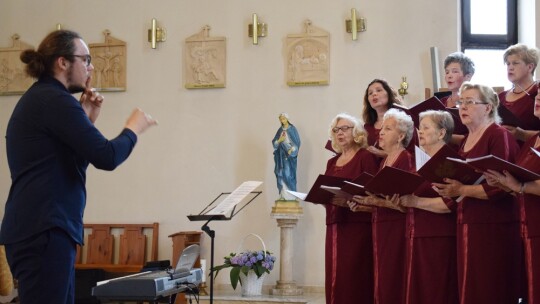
(489, 263)
(349, 263)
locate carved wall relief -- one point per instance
(110, 63)
(307, 57)
(205, 61)
(13, 78)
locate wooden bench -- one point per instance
(128, 256)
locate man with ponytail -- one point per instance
(50, 141)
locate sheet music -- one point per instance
(478, 181)
(234, 198)
(299, 195)
(128, 276)
(535, 152)
(421, 157)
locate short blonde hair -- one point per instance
(358, 131)
(529, 55)
(486, 95)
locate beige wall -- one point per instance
(209, 141)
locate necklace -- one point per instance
(522, 90)
(390, 162)
(451, 101)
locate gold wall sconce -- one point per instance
(156, 34)
(261, 29)
(403, 86)
(355, 25)
(58, 26)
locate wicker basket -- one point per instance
(251, 285)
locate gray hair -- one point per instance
(467, 65)
(358, 131)
(404, 122)
(442, 119)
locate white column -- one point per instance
(287, 214)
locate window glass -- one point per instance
(489, 17)
(489, 66)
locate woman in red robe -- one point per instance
(349, 248)
(458, 68)
(379, 98)
(488, 242)
(431, 269)
(521, 62)
(388, 220)
(527, 196)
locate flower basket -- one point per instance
(251, 284)
(248, 267)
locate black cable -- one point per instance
(192, 291)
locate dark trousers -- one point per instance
(44, 267)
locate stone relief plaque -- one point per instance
(13, 78)
(205, 61)
(307, 57)
(109, 61)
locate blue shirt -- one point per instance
(49, 143)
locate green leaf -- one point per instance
(235, 276)
(245, 270)
(259, 270)
(218, 268)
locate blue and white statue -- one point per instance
(286, 145)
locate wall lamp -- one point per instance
(403, 86)
(355, 25)
(156, 34)
(261, 29)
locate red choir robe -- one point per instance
(389, 245)
(444, 100)
(431, 262)
(529, 205)
(349, 247)
(488, 236)
(523, 108)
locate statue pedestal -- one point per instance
(287, 214)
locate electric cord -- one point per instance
(193, 290)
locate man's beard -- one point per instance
(73, 88)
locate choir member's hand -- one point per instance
(493, 178)
(503, 180)
(377, 152)
(452, 188)
(356, 207)
(409, 200)
(394, 202)
(340, 201)
(91, 101)
(359, 199)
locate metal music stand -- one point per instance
(204, 216)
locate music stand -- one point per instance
(204, 216)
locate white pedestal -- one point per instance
(287, 214)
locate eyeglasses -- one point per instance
(468, 102)
(87, 59)
(344, 129)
